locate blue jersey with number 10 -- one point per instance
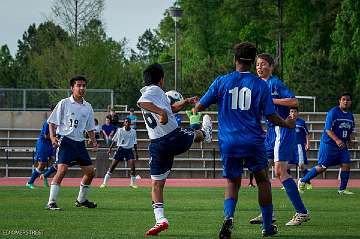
(341, 123)
(242, 100)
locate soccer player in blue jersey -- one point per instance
(302, 144)
(334, 144)
(71, 117)
(43, 153)
(166, 138)
(279, 140)
(243, 99)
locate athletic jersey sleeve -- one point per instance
(329, 120)
(211, 95)
(283, 91)
(305, 128)
(134, 139)
(57, 114)
(268, 107)
(116, 137)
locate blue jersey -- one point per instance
(301, 131)
(279, 91)
(341, 123)
(44, 132)
(242, 100)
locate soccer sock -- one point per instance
(229, 207)
(159, 211)
(305, 171)
(49, 171)
(84, 189)
(312, 173)
(54, 190)
(267, 212)
(344, 177)
(107, 177)
(35, 174)
(293, 194)
(132, 180)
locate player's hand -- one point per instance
(163, 117)
(109, 152)
(340, 144)
(307, 147)
(54, 142)
(290, 123)
(95, 145)
(193, 100)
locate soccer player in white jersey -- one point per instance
(166, 139)
(71, 117)
(125, 139)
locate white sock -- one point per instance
(159, 212)
(84, 189)
(54, 190)
(132, 180)
(106, 178)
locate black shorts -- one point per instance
(122, 154)
(72, 152)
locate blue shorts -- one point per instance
(299, 157)
(331, 155)
(163, 150)
(233, 166)
(44, 150)
(122, 154)
(72, 152)
(279, 143)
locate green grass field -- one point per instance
(192, 213)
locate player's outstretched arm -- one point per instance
(199, 107)
(177, 106)
(91, 134)
(277, 120)
(52, 130)
(290, 102)
(149, 106)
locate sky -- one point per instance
(122, 18)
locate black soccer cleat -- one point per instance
(52, 206)
(225, 232)
(86, 203)
(270, 233)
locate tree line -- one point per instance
(315, 44)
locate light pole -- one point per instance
(176, 13)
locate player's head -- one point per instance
(107, 120)
(345, 100)
(245, 54)
(127, 123)
(264, 65)
(154, 75)
(78, 86)
(294, 112)
(131, 111)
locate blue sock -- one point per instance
(344, 177)
(305, 171)
(35, 174)
(310, 175)
(229, 207)
(49, 171)
(267, 212)
(293, 194)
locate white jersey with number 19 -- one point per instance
(156, 95)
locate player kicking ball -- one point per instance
(166, 138)
(125, 139)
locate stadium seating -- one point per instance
(201, 161)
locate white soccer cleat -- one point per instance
(207, 128)
(103, 185)
(345, 192)
(301, 186)
(299, 218)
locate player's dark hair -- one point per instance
(128, 120)
(245, 53)
(345, 94)
(52, 106)
(153, 74)
(131, 110)
(108, 117)
(294, 108)
(267, 57)
(77, 78)
(96, 121)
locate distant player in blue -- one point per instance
(44, 152)
(280, 141)
(302, 144)
(334, 144)
(243, 99)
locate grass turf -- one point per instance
(192, 213)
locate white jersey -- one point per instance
(156, 95)
(72, 118)
(125, 138)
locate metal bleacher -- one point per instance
(201, 161)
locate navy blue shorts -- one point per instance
(122, 154)
(44, 150)
(163, 150)
(279, 143)
(233, 167)
(72, 152)
(331, 155)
